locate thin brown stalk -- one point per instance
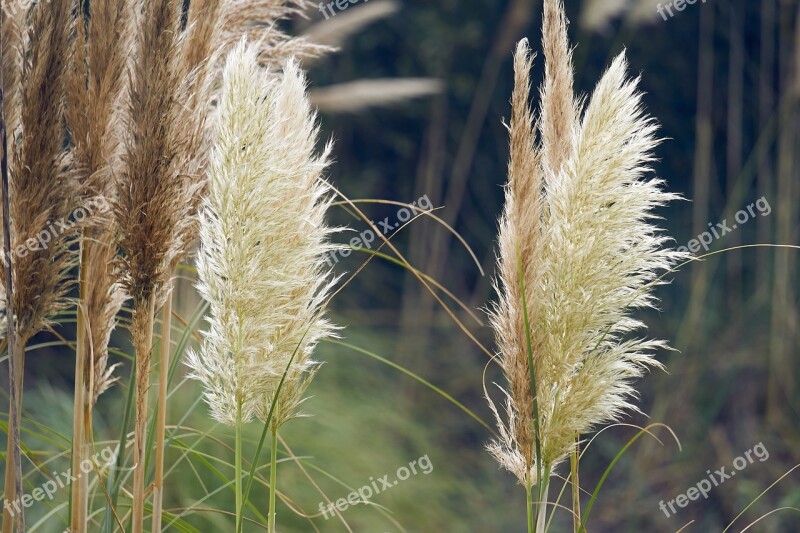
(517, 16)
(80, 448)
(95, 89)
(703, 160)
(40, 192)
(784, 315)
(766, 107)
(142, 331)
(13, 478)
(161, 419)
(736, 65)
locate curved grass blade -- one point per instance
(759, 496)
(416, 377)
(605, 475)
(428, 213)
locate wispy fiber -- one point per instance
(263, 239)
(12, 26)
(42, 189)
(257, 20)
(579, 218)
(520, 236)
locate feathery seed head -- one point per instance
(97, 87)
(43, 190)
(263, 241)
(579, 220)
(155, 196)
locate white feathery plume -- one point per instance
(263, 240)
(583, 234)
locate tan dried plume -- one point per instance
(155, 197)
(95, 98)
(558, 109)
(520, 237)
(43, 192)
(153, 194)
(12, 26)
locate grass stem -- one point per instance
(238, 466)
(161, 417)
(16, 347)
(529, 503)
(544, 487)
(144, 316)
(574, 462)
(80, 487)
(273, 477)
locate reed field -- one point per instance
(382, 266)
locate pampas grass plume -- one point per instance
(263, 238)
(579, 219)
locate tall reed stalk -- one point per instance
(13, 477)
(263, 238)
(161, 413)
(153, 209)
(578, 253)
(40, 191)
(95, 95)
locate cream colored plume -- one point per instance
(263, 240)
(581, 229)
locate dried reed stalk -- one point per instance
(153, 205)
(41, 191)
(10, 51)
(13, 475)
(263, 238)
(578, 253)
(94, 99)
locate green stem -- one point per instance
(273, 476)
(574, 461)
(238, 466)
(529, 504)
(544, 486)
